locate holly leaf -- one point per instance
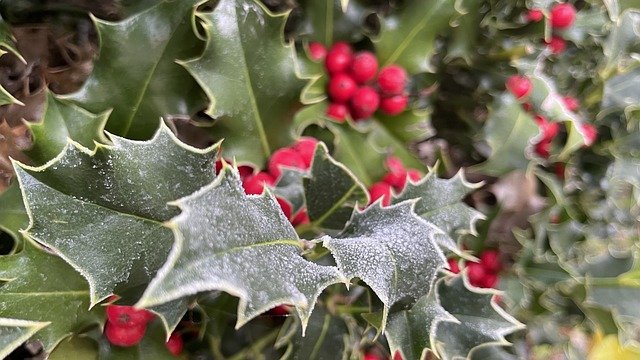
(326, 21)
(219, 232)
(412, 332)
(13, 215)
(7, 45)
(42, 288)
(102, 210)
(480, 321)
(249, 76)
(63, 121)
(621, 93)
(407, 36)
(136, 73)
(290, 187)
(392, 250)
(14, 332)
(622, 41)
(508, 131)
(331, 191)
(440, 202)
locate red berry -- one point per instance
(280, 310)
(535, 15)
(397, 175)
(540, 120)
(341, 88)
(453, 266)
(306, 147)
(520, 86)
(284, 206)
(528, 107)
(397, 356)
(339, 58)
(394, 105)
(489, 281)
(392, 80)
(490, 260)
(337, 111)
(590, 134)
(124, 336)
(317, 51)
(284, 157)
(364, 67)
(254, 185)
(571, 103)
(395, 165)
(414, 175)
(562, 16)
(556, 44)
(549, 130)
(543, 149)
(476, 274)
(380, 190)
(364, 102)
(371, 356)
(175, 344)
(559, 168)
(121, 315)
(301, 218)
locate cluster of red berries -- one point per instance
(482, 274)
(298, 156)
(520, 86)
(562, 17)
(356, 87)
(126, 327)
(395, 179)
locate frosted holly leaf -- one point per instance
(13, 215)
(440, 202)
(290, 187)
(102, 211)
(391, 249)
(45, 290)
(331, 191)
(243, 245)
(480, 321)
(412, 332)
(621, 92)
(623, 40)
(14, 332)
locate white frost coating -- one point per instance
(391, 249)
(243, 245)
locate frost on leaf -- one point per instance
(440, 202)
(480, 321)
(44, 288)
(392, 250)
(102, 211)
(243, 245)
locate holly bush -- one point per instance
(406, 179)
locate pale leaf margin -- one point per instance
(32, 326)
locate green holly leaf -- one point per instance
(440, 202)
(331, 191)
(392, 250)
(250, 78)
(411, 125)
(14, 332)
(508, 131)
(7, 45)
(407, 36)
(412, 332)
(63, 121)
(329, 20)
(13, 216)
(42, 288)
(623, 39)
(621, 93)
(103, 211)
(136, 73)
(243, 245)
(480, 321)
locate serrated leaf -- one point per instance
(329, 20)
(407, 35)
(14, 332)
(63, 121)
(7, 45)
(331, 191)
(623, 40)
(413, 331)
(13, 215)
(102, 211)
(440, 202)
(219, 232)
(391, 249)
(42, 287)
(508, 131)
(250, 78)
(136, 73)
(481, 322)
